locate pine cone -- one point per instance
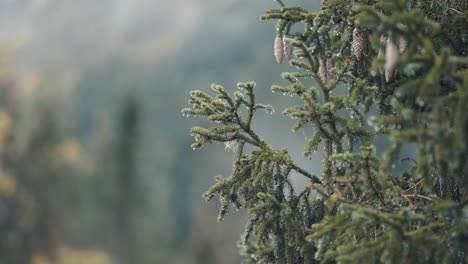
(402, 44)
(330, 66)
(287, 48)
(323, 70)
(358, 43)
(278, 50)
(383, 41)
(391, 59)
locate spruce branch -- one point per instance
(361, 207)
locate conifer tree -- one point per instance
(403, 65)
(29, 170)
(126, 180)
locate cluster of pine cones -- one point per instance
(282, 47)
(392, 53)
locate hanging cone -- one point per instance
(391, 59)
(287, 48)
(278, 50)
(358, 43)
(323, 70)
(330, 65)
(383, 41)
(402, 44)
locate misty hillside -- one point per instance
(92, 55)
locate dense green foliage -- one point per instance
(403, 66)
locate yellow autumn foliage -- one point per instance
(70, 151)
(7, 185)
(69, 255)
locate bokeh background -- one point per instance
(95, 157)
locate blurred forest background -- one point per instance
(96, 164)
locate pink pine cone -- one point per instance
(402, 44)
(383, 41)
(391, 58)
(278, 50)
(287, 48)
(358, 43)
(330, 65)
(323, 70)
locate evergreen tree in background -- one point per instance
(37, 161)
(403, 67)
(17, 243)
(126, 180)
